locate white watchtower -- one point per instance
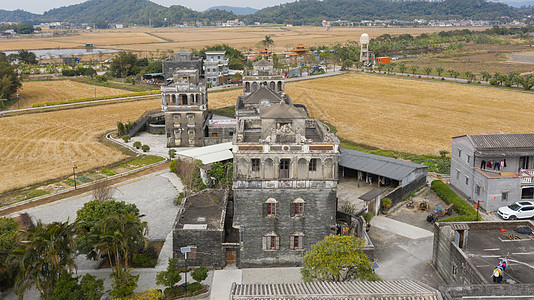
(364, 52)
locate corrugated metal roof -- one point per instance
(502, 141)
(390, 290)
(210, 154)
(375, 164)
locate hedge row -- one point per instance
(153, 294)
(465, 211)
(49, 103)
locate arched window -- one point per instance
(302, 168)
(279, 86)
(329, 168)
(254, 86)
(297, 208)
(247, 87)
(268, 166)
(272, 85)
(269, 207)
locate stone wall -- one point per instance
(316, 222)
(209, 249)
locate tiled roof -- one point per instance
(283, 111)
(361, 290)
(502, 141)
(375, 164)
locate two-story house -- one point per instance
(495, 168)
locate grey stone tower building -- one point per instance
(185, 103)
(285, 174)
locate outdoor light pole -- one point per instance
(74, 167)
(184, 251)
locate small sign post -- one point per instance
(184, 251)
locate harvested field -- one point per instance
(44, 91)
(41, 146)
(156, 39)
(409, 115)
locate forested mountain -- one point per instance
(314, 11)
(302, 12)
(235, 10)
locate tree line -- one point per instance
(303, 12)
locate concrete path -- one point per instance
(222, 282)
(400, 228)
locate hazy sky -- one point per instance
(40, 6)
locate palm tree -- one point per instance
(42, 254)
(267, 42)
(485, 75)
(414, 69)
(117, 236)
(470, 76)
(428, 70)
(402, 67)
(453, 73)
(439, 70)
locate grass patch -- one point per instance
(88, 99)
(141, 161)
(113, 84)
(228, 111)
(70, 182)
(107, 172)
(84, 179)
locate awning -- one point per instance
(369, 196)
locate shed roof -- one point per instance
(204, 210)
(371, 194)
(262, 62)
(390, 290)
(375, 164)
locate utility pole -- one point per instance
(184, 251)
(74, 167)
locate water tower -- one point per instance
(364, 52)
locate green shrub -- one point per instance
(137, 144)
(68, 288)
(179, 199)
(123, 284)
(121, 130)
(464, 209)
(170, 276)
(101, 78)
(367, 217)
(146, 257)
(200, 274)
(172, 153)
(126, 138)
(386, 203)
(145, 148)
(107, 171)
(153, 294)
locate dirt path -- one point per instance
(52, 198)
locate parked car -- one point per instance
(517, 210)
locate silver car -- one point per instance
(517, 210)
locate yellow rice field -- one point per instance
(44, 91)
(411, 115)
(243, 38)
(41, 146)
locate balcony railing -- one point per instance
(526, 176)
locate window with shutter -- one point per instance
(277, 242)
(292, 242)
(296, 242)
(299, 209)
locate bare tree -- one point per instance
(188, 171)
(103, 190)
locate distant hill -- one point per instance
(17, 16)
(302, 12)
(314, 11)
(235, 10)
